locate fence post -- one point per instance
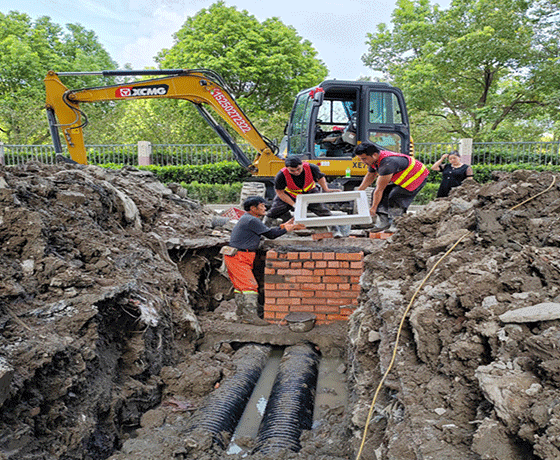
(144, 153)
(465, 150)
(2, 159)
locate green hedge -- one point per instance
(221, 182)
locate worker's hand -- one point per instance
(373, 211)
(329, 190)
(289, 226)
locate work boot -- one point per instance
(383, 223)
(249, 310)
(335, 230)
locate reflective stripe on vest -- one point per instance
(411, 178)
(291, 187)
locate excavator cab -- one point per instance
(328, 121)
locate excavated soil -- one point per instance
(110, 282)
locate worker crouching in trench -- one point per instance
(239, 256)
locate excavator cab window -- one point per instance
(299, 126)
(386, 121)
(335, 134)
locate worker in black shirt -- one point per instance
(243, 245)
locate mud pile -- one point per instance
(92, 307)
(470, 380)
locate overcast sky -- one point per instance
(133, 31)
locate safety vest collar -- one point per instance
(291, 187)
(411, 177)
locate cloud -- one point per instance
(156, 33)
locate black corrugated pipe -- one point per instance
(290, 407)
(222, 410)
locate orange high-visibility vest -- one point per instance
(410, 178)
(291, 187)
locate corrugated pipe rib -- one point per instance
(290, 407)
(222, 410)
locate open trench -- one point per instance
(284, 385)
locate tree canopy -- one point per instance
(265, 64)
(28, 50)
(484, 69)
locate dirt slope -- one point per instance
(467, 383)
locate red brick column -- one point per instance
(324, 283)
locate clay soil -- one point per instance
(110, 285)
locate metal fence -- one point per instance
(195, 154)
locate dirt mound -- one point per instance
(91, 305)
(468, 382)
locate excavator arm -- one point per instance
(202, 87)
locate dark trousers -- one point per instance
(396, 200)
(279, 207)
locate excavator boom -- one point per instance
(202, 87)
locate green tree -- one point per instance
(480, 69)
(265, 64)
(28, 50)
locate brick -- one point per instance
(337, 318)
(331, 272)
(270, 286)
(355, 279)
(349, 255)
(333, 264)
(274, 278)
(309, 264)
(321, 316)
(269, 271)
(356, 287)
(332, 287)
(269, 307)
(321, 236)
(305, 308)
(267, 314)
(334, 279)
(271, 254)
(344, 264)
(305, 255)
(302, 294)
(344, 286)
(359, 265)
(316, 255)
(277, 264)
(289, 286)
(313, 286)
(345, 311)
(338, 301)
(321, 264)
(308, 279)
(289, 271)
(327, 309)
(271, 293)
(270, 300)
(296, 264)
(282, 307)
(293, 255)
(328, 255)
(289, 301)
(349, 272)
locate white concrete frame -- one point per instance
(358, 196)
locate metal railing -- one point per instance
(538, 153)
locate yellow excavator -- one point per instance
(326, 122)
